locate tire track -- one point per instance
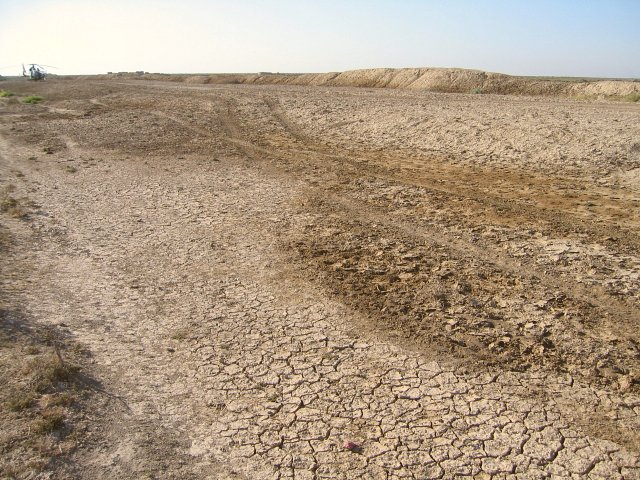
(626, 316)
(513, 209)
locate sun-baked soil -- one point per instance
(263, 274)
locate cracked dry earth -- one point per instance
(265, 274)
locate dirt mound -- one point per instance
(451, 80)
(447, 80)
(607, 88)
(198, 79)
(471, 81)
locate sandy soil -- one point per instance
(263, 274)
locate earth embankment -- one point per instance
(449, 80)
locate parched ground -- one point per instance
(270, 282)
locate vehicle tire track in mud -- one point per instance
(588, 296)
(228, 117)
(182, 123)
(539, 208)
(566, 310)
(593, 296)
(589, 307)
(290, 127)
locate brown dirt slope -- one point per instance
(451, 80)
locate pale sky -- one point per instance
(598, 38)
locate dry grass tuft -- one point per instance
(47, 372)
(40, 397)
(5, 238)
(11, 206)
(60, 399)
(7, 203)
(50, 420)
(19, 401)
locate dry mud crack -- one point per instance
(286, 282)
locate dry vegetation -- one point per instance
(40, 397)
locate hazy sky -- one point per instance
(535, 37)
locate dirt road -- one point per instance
(264, 274)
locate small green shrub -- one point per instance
(477, 91)
(633, 97)
(32, 99)
(4, 93)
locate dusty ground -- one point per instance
(260, 274)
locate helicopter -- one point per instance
(36, 72)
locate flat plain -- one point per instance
(281, 282)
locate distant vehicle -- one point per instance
(35, 72)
